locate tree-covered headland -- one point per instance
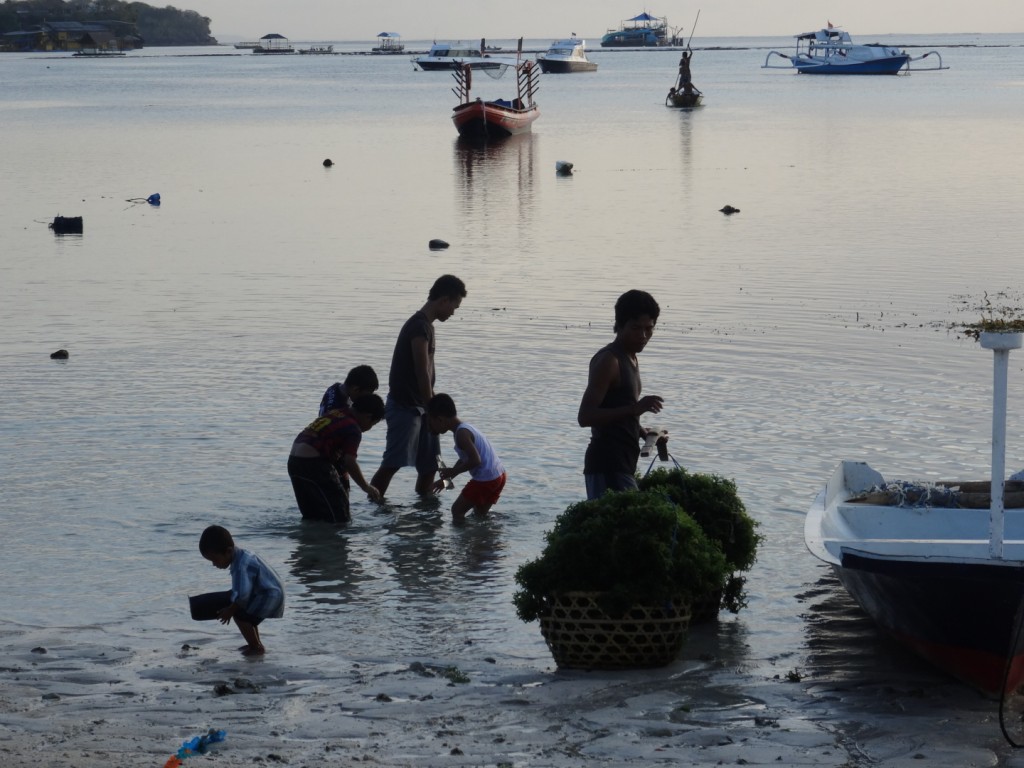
(155, 26)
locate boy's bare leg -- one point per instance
(252, 637)
(424, 484)
(460, 508)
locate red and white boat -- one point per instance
(480, 120)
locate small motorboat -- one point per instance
(566, 56)
(479, 120)
(830, 51)
(449, 56)
(318, 49)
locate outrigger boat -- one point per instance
(830, 51)
(939, 566)
(480, 120)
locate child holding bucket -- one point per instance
(256, 592)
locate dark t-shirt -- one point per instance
(402, 382)
(615, 447)
(334, 436)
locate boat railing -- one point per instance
(922, 57)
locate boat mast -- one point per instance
(1000, 344)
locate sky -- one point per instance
(310, 20)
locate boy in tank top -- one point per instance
(612, 405)
(476, 456)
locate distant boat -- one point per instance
(318, 49)
(447, 56)
(247, 46)
(479, 120)
(831, 51)
(641, 31)
(566, 56)
(273, 43)
(388, 42)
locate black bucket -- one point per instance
(206, 607)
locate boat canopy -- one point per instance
(645, 16)
(388, 34)
(824, 35)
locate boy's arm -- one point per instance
(464, 439)
(352, 467)
(604, 374)
(421, 364)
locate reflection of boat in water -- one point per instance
(831, 51)
(448, 56)
(641, 31)
(388, 42)
(566, 56)
(481, 120)
(273, 43)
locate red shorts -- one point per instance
(484, 492)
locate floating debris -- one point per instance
(328, 163)
(66, 225)
(729, 210)
(60, 354)
(437, 244)
(563, 167)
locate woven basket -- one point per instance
(581, 635)
(705, 608)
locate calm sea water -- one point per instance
(811, 327)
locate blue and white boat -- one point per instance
(642, 31)
(830, 51)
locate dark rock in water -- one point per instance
(729, 210)
(66, 225)
(437, 245)
(563, 168)
(39, 649)
(328, 163)
(60, 354)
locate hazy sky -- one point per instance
(473, 19)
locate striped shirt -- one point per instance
(255, 586)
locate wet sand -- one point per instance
(85, 699)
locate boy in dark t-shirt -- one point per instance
(410, 442)
(328, 444)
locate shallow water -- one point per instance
(811, 327)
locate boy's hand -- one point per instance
(374, 494)
(225, 614)
(438, 486)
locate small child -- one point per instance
(476, 456)
(256, 592)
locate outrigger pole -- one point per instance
(693, 29)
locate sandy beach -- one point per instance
(74, 698)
